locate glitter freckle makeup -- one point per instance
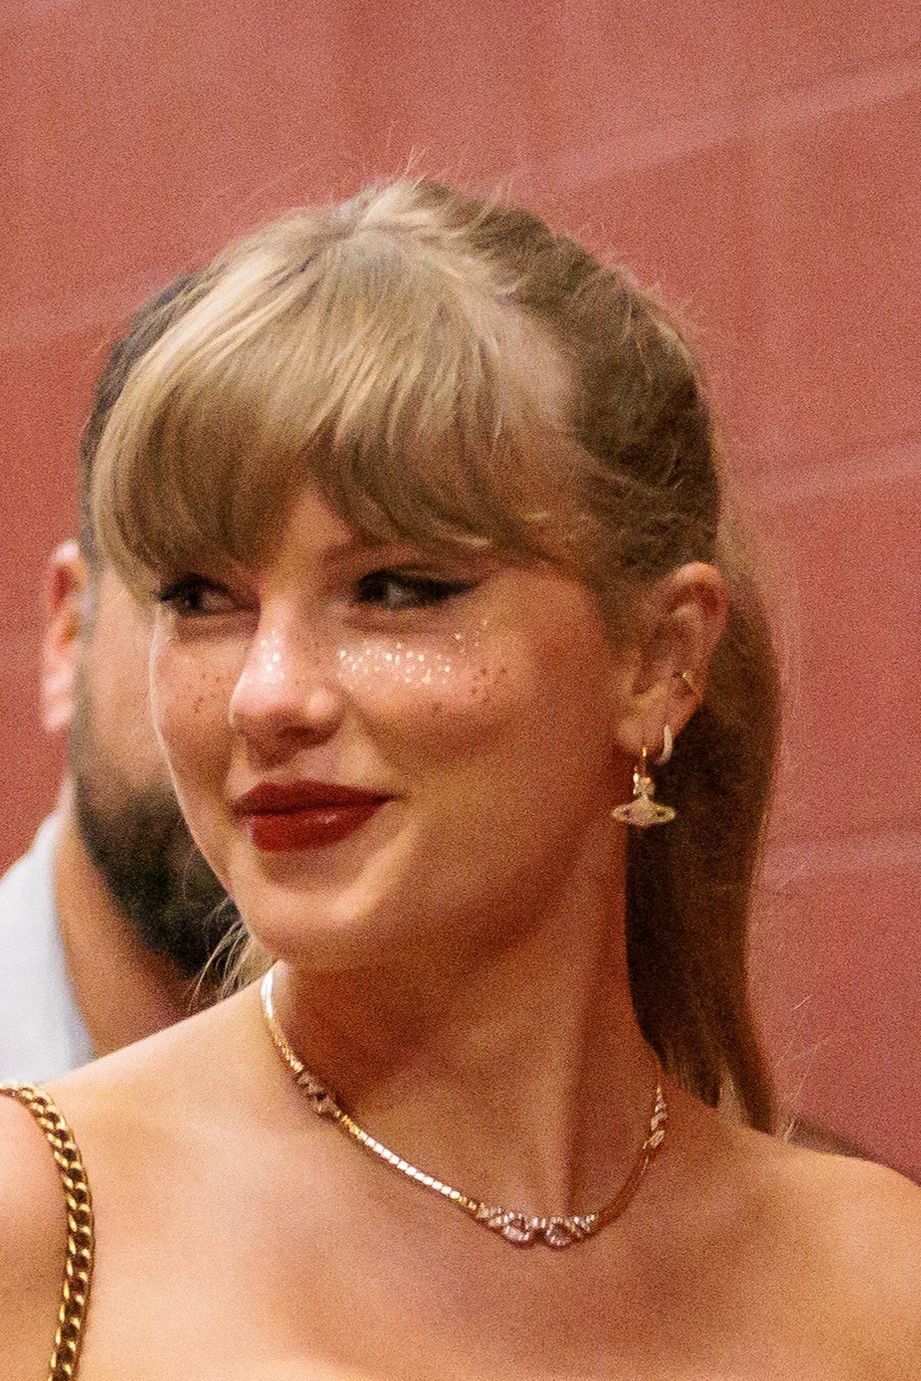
(268, 668)
(449, 675)
(454, 709)
(411, 666)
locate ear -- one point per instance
(680, 622)
(66, 617)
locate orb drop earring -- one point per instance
(643, 811)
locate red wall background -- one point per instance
(759, 161)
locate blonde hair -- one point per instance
(448, 371)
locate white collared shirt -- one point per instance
(42, 1033)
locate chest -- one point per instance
(236, 1267)
(234, 1307)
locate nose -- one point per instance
(287, 694)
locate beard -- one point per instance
(147, 859)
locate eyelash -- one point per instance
(425, 592)
(179, 595)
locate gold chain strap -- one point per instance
(78, 1268)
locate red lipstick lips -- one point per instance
(304, 815)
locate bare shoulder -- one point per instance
(33, 1238)
(869, 1217)
(855, 1204)
(853, 1227)
(141, 1116)
(127, 1113)
(152, 1085)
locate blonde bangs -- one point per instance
(397, 376)
(448, 371)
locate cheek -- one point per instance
(190, 689)
(445, 698)
(430, 686)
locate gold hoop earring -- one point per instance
(643, 811)
(668, 743)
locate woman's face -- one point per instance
(472, 704)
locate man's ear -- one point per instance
(66, 617)
(683, 616)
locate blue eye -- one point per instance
(395, 591)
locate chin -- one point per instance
(332, 936)
(332, 908)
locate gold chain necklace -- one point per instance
(521, 1229)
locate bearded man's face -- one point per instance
(126, 812)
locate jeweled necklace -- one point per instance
(521, 1229)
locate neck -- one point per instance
(520, 1076)
(123, 992)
